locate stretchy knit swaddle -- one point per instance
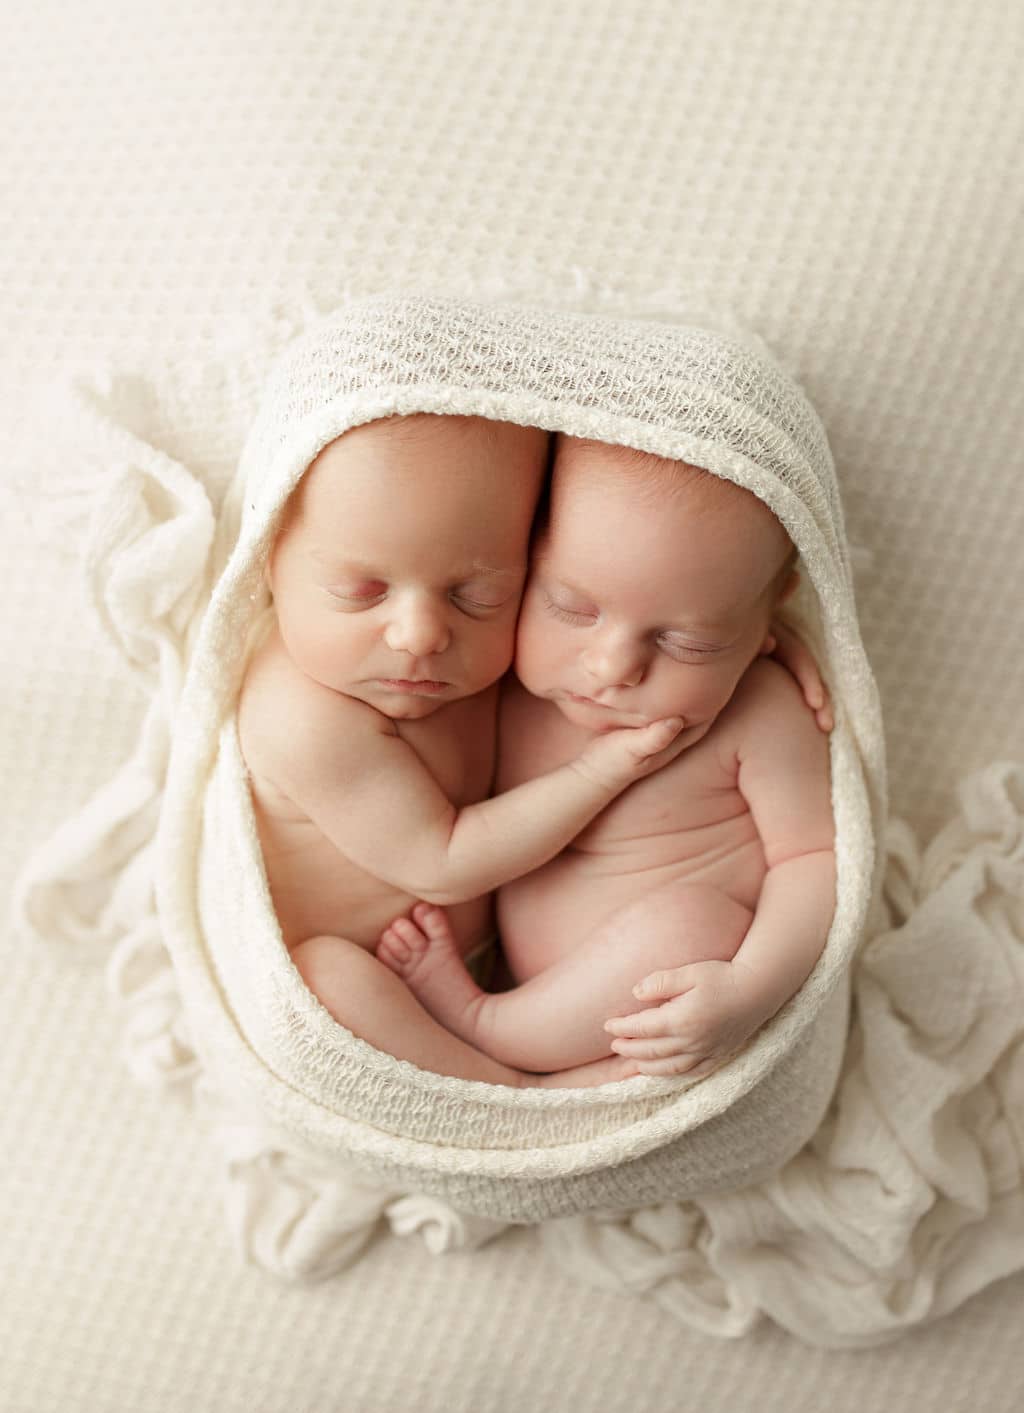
(266, 1043)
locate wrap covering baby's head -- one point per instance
(718, 401)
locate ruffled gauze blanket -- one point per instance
(742, 1187)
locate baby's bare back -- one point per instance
(686, 824)
(316, 890)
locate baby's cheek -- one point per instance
(715, 691)
(535, 651)
(684, 690)
(495, 646)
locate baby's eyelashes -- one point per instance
(684, 651)
(480, 606)
(359, 595)
(370, 589)
(484, 595)
(568, 612)
(474, 600)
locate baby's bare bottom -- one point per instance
(556, 1019)
(374, 1004)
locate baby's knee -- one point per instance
(334, 966)
(315, 958)
(710, 924)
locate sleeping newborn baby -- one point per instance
(696, 904)
(367, 716)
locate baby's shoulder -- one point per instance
(768, 702)
(289, 724)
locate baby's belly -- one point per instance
(552, 910)
(316, 891)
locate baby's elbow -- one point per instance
(819, 858)
(440, 897)
(443, 892)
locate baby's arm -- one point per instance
(710, 1009)
(372, 796)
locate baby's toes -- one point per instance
(434, 922)
(409, 935)
(391, 949)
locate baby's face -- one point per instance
(650, 591)
(398, 573)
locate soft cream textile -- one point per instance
(933, 1187)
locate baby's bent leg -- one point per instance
(556, 1019)
(422, 950)
(374, 1004)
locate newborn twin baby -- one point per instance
(660, 834)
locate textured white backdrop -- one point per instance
(179, 179)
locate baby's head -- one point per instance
(651, 590)
(399, 563)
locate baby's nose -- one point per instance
(417, 627)
(615, 664)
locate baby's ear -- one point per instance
(789, 588)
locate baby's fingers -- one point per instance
(661, 985)
(651, 740)
(660, 1048)
(798, 660)
(639, 1025)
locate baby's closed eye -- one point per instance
(482, 597)
(569, 610)
(685, 650)
(360, 594)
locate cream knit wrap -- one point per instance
(267, 1045)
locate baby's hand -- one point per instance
(617, 758)
(794, 655)
(710, 1013)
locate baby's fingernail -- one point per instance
(640, 989)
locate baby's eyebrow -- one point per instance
(573, 588)
(475, 570)
(334, 565)
(477, 567)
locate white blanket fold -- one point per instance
(848, 1190)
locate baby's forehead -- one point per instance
(648, 479)
(601, 481)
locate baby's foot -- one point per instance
(422, 950)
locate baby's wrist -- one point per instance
(595, 765)
(760, 996)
